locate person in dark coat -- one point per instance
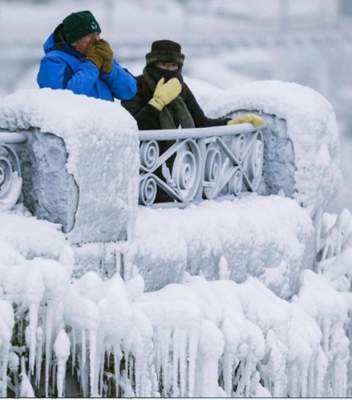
(164, 101)
(77, 59)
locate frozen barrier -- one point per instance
(82, 175)
(276, 331)
(79, 162)
(311, 128)
(87, 167)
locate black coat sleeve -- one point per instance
(147, 116)
(200, 120)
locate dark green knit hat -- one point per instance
(79, 24)
(166, 51)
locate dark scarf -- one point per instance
(176, 113)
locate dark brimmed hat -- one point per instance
(79, 24)
(165, 51)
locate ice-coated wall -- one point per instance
(80, 162)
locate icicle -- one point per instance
(130, 368)
(326, 335)
(303, 378)
(224, 270)
(158, 340)
(73, 357)
(92, 362)
(320, 373)
(192, 357)
(26, 387)
(175, 362)
(144, 382)
(98, 366)
(228, 362)
(166, 338)
(311, 378)
(62, 353)
(317, 222)
(293, 380)
(33, 323)
(183, 362)
(84, 383)
(39, 356)
(101, 374)
(117, 360)
(48, 335)
(4, 358)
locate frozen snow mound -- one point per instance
(75, 145)
(310, 126)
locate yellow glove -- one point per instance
(165, 93)
(94, 56)
(104, 49)
(253, 119)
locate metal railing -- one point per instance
(188, 165)
(10, 169)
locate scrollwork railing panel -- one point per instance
(203, 163)
(10, 170)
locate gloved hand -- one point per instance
(93, 55)
(104, 49)
(165, 93)
(253, 119)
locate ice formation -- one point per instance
(269, 237)
(101, 141)
(95, 336)
(196, 338)
(311, 126)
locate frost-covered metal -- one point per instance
(199, 163)
(10, 169)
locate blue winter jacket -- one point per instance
(65, 68)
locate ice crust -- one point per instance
(101, 142)
(172, 341)
(311, 126)
(269, 237)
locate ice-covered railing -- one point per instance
(10, 169)
(199, 163)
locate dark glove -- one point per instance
(93, 55)
(105, 51)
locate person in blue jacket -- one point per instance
(77, 59)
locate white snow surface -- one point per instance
(72, 117)
(311, 125)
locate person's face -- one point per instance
(169, 66)
(82, 44)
